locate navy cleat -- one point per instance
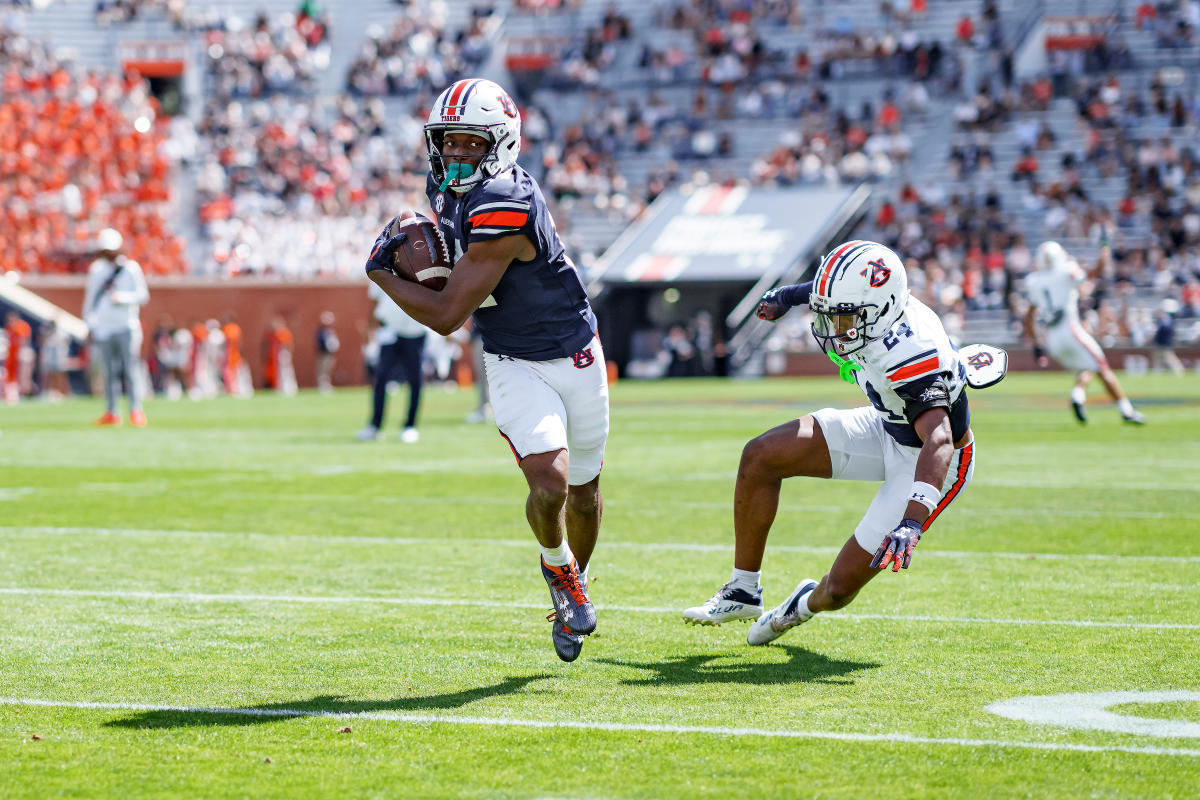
(567, 643)
(783, 617)
(729, 603)
(1080, 412)
(574, 616)
(1134, 418)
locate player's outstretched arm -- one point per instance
(778, 301)
(472, 280)
(937, 449)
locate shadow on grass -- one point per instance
(802, 666)
(326, 705)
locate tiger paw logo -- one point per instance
(583, 359)
(879, 272)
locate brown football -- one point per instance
(423, 256)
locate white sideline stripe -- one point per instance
(528, 544)
(203, 597)
(435, 719)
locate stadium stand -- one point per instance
(981, 129)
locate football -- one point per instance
(423, 256)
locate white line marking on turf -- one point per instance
(1089, 711)
(203, 597)
(528, 543)
(427, 719)
(16, 492)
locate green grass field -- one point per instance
(241, 600)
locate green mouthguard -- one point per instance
(456, 172)
(845, 368)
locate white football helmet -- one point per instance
(859, 293)
(482, 108)
(1050, 257)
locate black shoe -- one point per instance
(1134, 418)
(1080, 412)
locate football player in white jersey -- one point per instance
(914, 438)
(1053, 294)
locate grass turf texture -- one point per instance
(251, 555)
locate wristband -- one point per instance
(925, 494)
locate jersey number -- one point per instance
(892, 338)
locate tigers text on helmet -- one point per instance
(478, 107)
(859, 293)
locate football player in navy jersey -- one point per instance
(914, 437)
(543, 363)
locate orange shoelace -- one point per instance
(569, 579)
(553, 617)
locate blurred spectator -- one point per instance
(327, 346)
(116, 291)
(280, 373)
(401, 341)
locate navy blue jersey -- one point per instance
(539, 309)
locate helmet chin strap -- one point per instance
(455, 172)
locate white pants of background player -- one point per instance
(1074, 348)
(543, 406)
(861, 450)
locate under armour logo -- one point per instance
(980, 360)
(583, 359)
(880, 272)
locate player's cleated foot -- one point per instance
(108, 418)
(1135, 418)
(137, 418)
(773, 624)
(410, 436)
(1080, 411)
(368, 434)
(567, 643)
(569, 597)
(728, 604)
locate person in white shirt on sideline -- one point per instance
(116, 291)
(401, 349)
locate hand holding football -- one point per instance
(422, 257)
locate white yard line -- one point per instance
(528, 544)
(500, 722)
(204, 597)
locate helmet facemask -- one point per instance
(843, 328)
(450, 176)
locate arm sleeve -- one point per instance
(797, 294)
(923, 394)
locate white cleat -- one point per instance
(368, 434)
(776, 622)
(729, 603)
(410, 436)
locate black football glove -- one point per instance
(381, 256)
(897, 546)
(771, 307)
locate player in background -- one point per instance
(1053, 293)
(914, 438)
(116, 291)
(543, 362)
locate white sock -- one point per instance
(1078, 395)
(1125, 406)
(802, 606)
(557, 556)
(744, 579)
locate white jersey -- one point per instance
(1055, 294)
(898, 368)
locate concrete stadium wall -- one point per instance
(254, 301)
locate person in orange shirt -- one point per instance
(19, 333)
(235, 374)
(280, 374)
